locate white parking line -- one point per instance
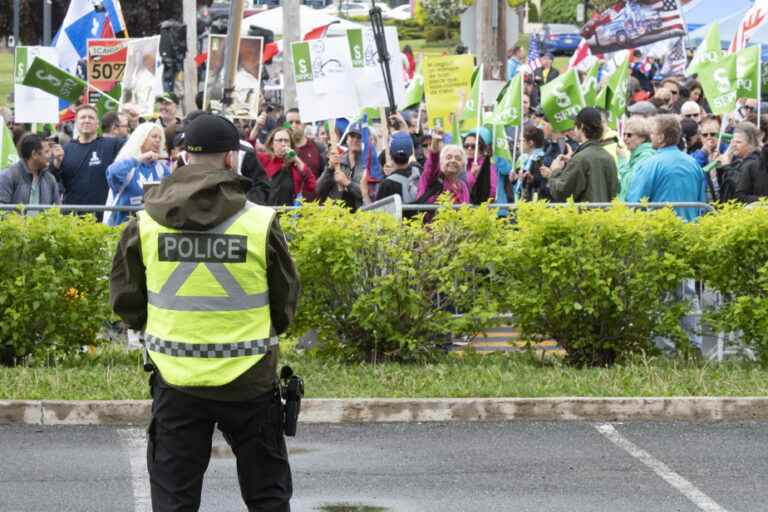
(689, 490)
(135, 442)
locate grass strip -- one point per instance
(115, 374)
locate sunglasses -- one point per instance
(709, 134)
(469, 146)
(691, 115)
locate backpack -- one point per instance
(408, 184)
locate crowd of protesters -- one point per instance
(669, 148)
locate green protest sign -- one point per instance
(748, 72)
(355, 41)
(507, 111)
(590, 85)
(618, 86)
(720, 84)
(49, 78)
(708, 52)
(561, 100)
(415, 91)
(472, 105)
(8, 155)
(302, 62)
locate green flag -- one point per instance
(49, 78)
(455, 131)
(748, 72)
(500, 144)
(507, 111)
(590, 85)
(415, 91)
(618, 86)
(562, 99)
(472, 104)
(708, 52)
(601, 99)
(8, 155)
(720, 84)
(109, 102)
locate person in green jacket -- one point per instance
(588, 175)
(637, 137)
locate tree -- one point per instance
(441, 12)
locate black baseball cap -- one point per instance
(210, 133)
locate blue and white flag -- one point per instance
(115, 13)
(81, 23)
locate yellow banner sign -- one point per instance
(446, 84)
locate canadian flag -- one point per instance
(754, 18)
(581, 57)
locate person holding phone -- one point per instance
(290, 179)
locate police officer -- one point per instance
(208, 277)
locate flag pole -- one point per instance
(759, 87)
(479, 108)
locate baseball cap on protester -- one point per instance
(168, 97)
(209, 133)
(401, 146)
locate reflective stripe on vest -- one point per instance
(236, 299)
(208, 318)
(178, 349)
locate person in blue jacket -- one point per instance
(670, 175)
(138, 163)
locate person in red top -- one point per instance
(286, 174)
(408, 54)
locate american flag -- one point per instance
(676, 61)
(534, 53)
(669, 11)
(753, 19)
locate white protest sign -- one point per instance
(32, 105)
(324, 83)
(366, 69)
(142, 81)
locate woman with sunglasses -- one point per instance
(480, 175)
(637, 139)
(742, 157)
(288, 177)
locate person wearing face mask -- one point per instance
(589, 174)
(208, 277)
(139, 163)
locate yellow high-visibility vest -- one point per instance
(208, 315)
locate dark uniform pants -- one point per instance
(179, 449)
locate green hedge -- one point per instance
(730, 252)
(600, 282)
(54, 283)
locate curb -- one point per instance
(385, 410)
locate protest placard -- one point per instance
(32, 105)
(142, 82)
(106, 67)
(324, 88)
(53, 80)
(446, 82)
(8, 155)
(366, 69)
(245, 102)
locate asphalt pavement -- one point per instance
(418, 467)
